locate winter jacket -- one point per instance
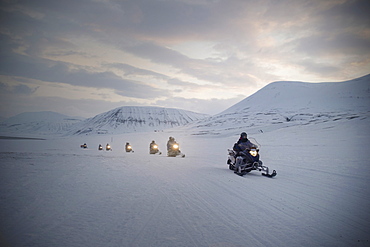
(243, 144)
(170, 143)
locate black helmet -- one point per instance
(243, 135)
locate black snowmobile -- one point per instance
(250, 164)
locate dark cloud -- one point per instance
(344, 44)
(164, 19)
(352, 13)
(23, 89)
(158, 54)
(20, 89)
(318, 68)
(131, 70)
(3, 86)
(47, 70)
(11, 105)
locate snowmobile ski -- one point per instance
(273, 174)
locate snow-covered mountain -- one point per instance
(287, 103)
(135, 119)
(277, 105)
(37, 123)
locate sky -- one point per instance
(85, 57)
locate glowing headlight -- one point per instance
(129, 147)
(155, 146)
(175, 146)
(108, 147)
(253, 153)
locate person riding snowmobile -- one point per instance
(173, 149)
(128, 147)
(242, 148)
(108, 147)
(153, 148)
(170, 143)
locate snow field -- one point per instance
(53, 193)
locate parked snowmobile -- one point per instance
(245, 166)
(128, 147)
(100, 147)
(153, 148)
(173, 150)
(108, 147)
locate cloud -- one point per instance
(11, 105)
(344, 44)
(129, 70)
(345, 14)
(23, 89)
(60, 72)
(158, 54)
(159, 50)
(17, 89)
(183, 84)
(318, 68)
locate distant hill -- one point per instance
(135, 119)
(287, 103)
(37, 123)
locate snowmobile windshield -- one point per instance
(254, 141)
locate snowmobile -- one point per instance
(174, 150)
(246, 167)
(108, 147)
(128, 148)
(153, 148)
(84, 145)
(100, 147)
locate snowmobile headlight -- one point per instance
(155, 146)
(175, 146)
(253, 152)
(108, 147)
(129, 147)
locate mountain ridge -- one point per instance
(317, 96)
(135, 118)
(37, 123)
(287, 103)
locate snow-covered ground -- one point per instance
(53, 193)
